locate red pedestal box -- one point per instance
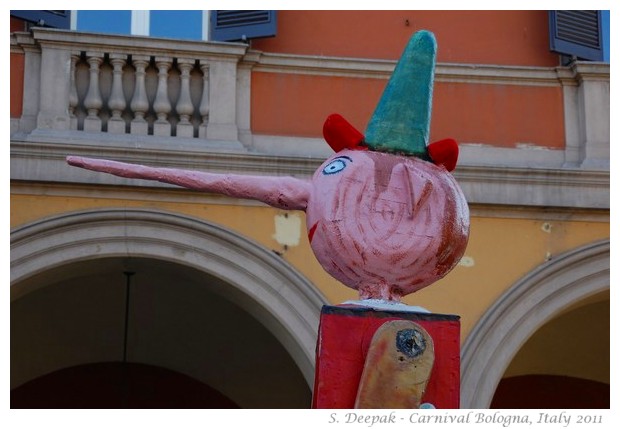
(345, 333)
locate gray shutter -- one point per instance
(234, 25)
(45, 18)
(576, 33)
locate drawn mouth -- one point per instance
(311, 231)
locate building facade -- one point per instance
(220, 297)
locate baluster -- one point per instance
(161, 105)
(117, 103)
(204, 101)
(184, 107)
(139, 102)
(93, 100)
(73, 96)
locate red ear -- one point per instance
(444, 152)
(340, 134)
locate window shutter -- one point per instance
(45, 18)
(576, 33)
(234, 25)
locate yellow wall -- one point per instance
(500, 250)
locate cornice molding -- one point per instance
(138, 45)
(23, 42)
(444, 72)
(44, 161)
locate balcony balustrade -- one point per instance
(115, 85)
(138, 94)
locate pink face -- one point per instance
(386, 225)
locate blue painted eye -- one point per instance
(336, 166)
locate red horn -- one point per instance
(340, 134)
(444, 152)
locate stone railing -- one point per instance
(112, 84)
(139, 94)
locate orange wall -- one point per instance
(295, 104)
(480, 37)
(499, 115)
(17, 73)
(17, 84)
(17, 25)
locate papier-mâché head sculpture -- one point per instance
(384, 214)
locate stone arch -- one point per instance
(262, 283)
(524, 308)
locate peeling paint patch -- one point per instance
(467, 261)
(533, 146)
(288, 229)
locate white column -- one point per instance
(93, 100)
(161, 105)
(244, 88)
(586, 96)
(73, 96)
(54, 89)
(572, 148)
(206, 24)
(222, 99)
(184, 106)
(117, 102)
(140, 22)
(204, 101)
(139, 102)
(594, 104)
(32, 75)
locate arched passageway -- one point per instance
(548, 292)
(565, 364)
(166, 291)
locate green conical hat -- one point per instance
(401, 121)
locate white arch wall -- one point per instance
(524, 308)
(263, 284)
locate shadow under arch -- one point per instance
(262, 283)
(520, 311)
